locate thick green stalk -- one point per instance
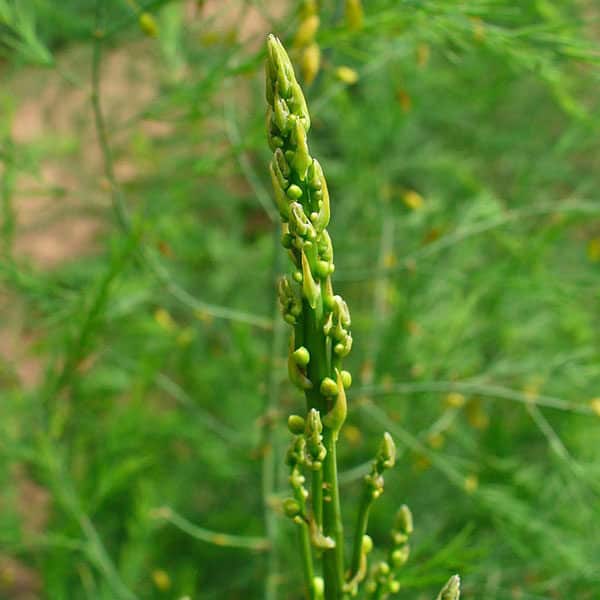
(321, 320)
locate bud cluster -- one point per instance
(302, 199)
(384, 459)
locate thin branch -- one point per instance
(65, 493)
(482, 389)
(409, 440)
(226, 540)
(124, 219)
(209, 421)
(461, 235)
(235, 139)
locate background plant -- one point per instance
(142, 360)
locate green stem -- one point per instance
(333, 560)
(307, 562)
(305, 546)
(317, 497)
(379, 593)
(361, 530)
(225, 540)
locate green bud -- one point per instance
(343, 349)
(302, 158)
(335, 418)
(295, 453)
(318, 587)
(315, 450)
(275, 142)
(298, 104)
(280, 67)
(296, 424)
(322, 269)
(299, 223)
(451, 591)
(281, 178)
(328, 387)
(297, 377)
(386, 455)
(310, 287)
(346, 378)
(281, 200)
(404, 520)
(328, 297)
(325, 246)
(301, 356)
(367, 544)
(281, 115)
(394, 586)
(383, 568)
(294, 192)
(400, 556)
(291, 507)
(318, 182)
(314, 424)
(282, 163)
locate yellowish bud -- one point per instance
(347, 75)
(306, 32)
(454, 400)
(593, 250)
(346, 378)
(310, 62)
(148, 24)
(161, 579)
(595, 405)
(354, 14)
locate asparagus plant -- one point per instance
(319, 342)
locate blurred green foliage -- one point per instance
(145, 368)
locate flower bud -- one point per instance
(294, 192)
(296, 424)
(328, 387)
(291, 507)
(386, 456)
(346, 75)
(310, 287)
(400, 556)
(354, 14)
(335, 418)
(310, 62)
(404, 520)
(318, 587)
(306, 31)
(451, 591)
(148, 24)
(346, 378)
(301, 356)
